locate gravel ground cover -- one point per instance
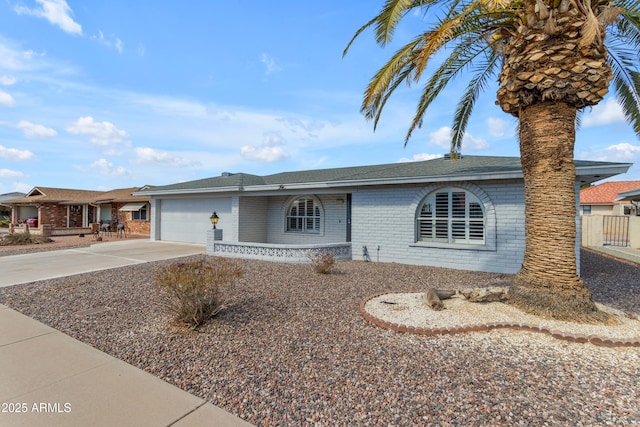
(292, 349)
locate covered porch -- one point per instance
(282, 227)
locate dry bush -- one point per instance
(195, 291)
(17, 239)
(322, 261)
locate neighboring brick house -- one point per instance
(602, 199)
(5, 210)
(62, 211)
(120, 205)
(465, 214)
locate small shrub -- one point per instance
(17, 239)
(5, 223)
(194, 290)
(322, 261)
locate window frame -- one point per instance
(308, 220)
(139, 213)
(442, 220)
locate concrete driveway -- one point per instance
(26, 268)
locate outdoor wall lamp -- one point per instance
(214, 219)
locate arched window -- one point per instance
(303, 216)
(451, 215)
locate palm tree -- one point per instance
(552, 61)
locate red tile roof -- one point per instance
(607, 192)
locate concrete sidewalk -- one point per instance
(620, 252)
(48, 378)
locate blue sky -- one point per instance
(114, 94)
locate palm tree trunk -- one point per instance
(548, 284)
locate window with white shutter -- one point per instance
(451, 216)
(303, 216)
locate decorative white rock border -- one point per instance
(479, 327)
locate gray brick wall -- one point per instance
(253, 214)
(384, 222)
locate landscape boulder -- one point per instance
(490, 294)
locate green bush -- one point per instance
(4, 223)
(322, 261)
(16, 239)
(194, 291)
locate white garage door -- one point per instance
(187, 220)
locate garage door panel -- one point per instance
(187, 220)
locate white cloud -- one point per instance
(6, 99)
(13, 59)
(442, 138)
(101, 133)
(32, 130)
(272, 139)
(8, 173)
(605, 113)
(469, 142)
(22, 186)
(269, 151)
(111, 42)
(57, 12)
(108, 168)
(497, 126)
(623, 152)
(7, 80)
(270, 64)
(264, 153)
(419, 157)
(150, 155)
(15, 154)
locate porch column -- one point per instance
(85, 215)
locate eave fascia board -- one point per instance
(625, 195)
(610, 169)
(233, 189)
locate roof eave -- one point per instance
(593, 173)
(145, 193)
(387, 181)
(629, 195)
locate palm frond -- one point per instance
(401, 77)
(591, 29)
(452, 25)
(388, 19)
(628, 24)
(360, 30)
(399, 63)
(628, 96)
(486, 69)
(462, 56)
(626, 80)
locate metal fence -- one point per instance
(616, 230)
